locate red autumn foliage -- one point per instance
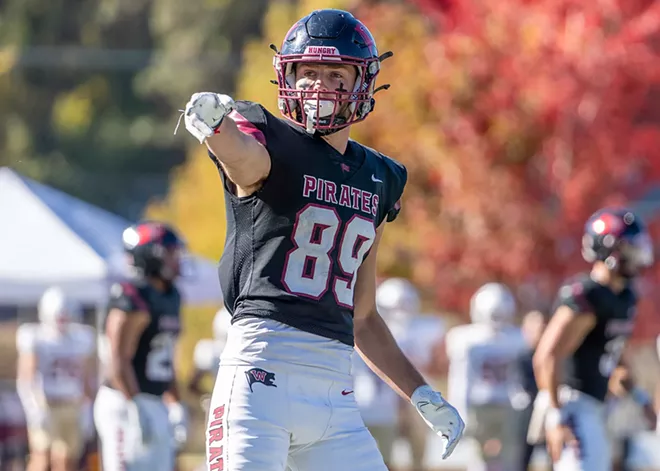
(523, 118)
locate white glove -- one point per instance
(178, 418)
(139, 420)
(205, 112)
(439, 415)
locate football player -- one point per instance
(137, 409)
(588, 331)
(484, 379)
(532, 327)
(55, 381)
(306, 209)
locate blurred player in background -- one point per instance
(484, 380)
(13, 449)
(587, 333)
(56, 378)
(629, 410)
(206, 356)
(532, 327)
(137, 411)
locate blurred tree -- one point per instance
(89, 93)
(516, 120)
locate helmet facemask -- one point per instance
(328, 111)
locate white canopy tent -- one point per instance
(48, 237)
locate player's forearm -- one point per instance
(245, 161)
(124, 379)
(377, 346)
(91, 381)
(546, 372)
(172, 394)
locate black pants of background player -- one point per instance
(622, 464)
(528, 450)
(527, 455)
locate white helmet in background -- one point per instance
(493, 303)
(57, 310)
(397, 300)
(221, 323)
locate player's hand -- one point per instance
(441, 416)
(178, 418)
(557, 438)
(204, 113)
(139, 420)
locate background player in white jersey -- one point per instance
(484, 380)
(206, 356)
(137, 410)
(306, 208)
(56, 378)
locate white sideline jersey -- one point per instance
(483, 367)
(61, 359)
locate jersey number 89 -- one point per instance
(308, 267)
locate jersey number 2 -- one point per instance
(160, 360)
(308, 267)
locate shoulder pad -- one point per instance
(577, 294)
(126, 297)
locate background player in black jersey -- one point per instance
(588, 331)
(306, 208)
(137, 410)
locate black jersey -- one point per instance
(590, 367)
(293, 248)
(154, 356)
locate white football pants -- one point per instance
(284, 398)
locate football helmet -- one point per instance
(619, 238)
(493, 303)
(327, 37)
(57, 311)
(155, 250)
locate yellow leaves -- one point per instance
(73, 111)
(195, 205)
(8, 56)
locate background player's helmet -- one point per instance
(155, 249)
(327, 36)
(221, 323)
(56, 310)
(493, 303)
(619, 238)
(397, 298)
